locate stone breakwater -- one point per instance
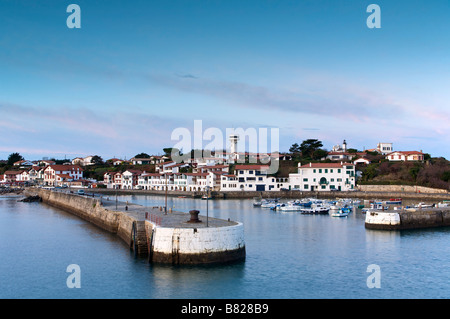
(408, 219)
(169, 238)
(285, 194)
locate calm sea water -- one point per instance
(289, 256)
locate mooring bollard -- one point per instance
(194, 217)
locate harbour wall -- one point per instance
(196, 245)
(169, 245)
(408, 219)
(289, 194)
(401, 189)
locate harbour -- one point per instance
(288, 255)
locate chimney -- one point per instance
(310, 164)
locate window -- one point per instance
(339, 170)
(320, 170)
(331, 170)
(326, 170)
(250, 172)
(305, 186)
(314, 170)
(305, 179)
(260, 178)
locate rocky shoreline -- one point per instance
(11, 191)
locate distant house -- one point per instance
(83, 161)
(140, 161)
(405, 156)
(156, 159)
(57, 175)
(46, 162)
(384, 148)
(362, 160)
(23, 163)
(115, 161)
(340, 156)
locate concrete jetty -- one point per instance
(170, 237)
(411, 218)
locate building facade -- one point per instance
(324, 177)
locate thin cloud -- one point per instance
(358, 106)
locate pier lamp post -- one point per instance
(116, 195)
(207, 199)
(165, 202)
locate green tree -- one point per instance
(309, 146)
(295, 148)
(142, 155)
(319, 154)
(446, 176)
(168, 151)
(97, 160)
(14, 157)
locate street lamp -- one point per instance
(207, 199)
(165, 204)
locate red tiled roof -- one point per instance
(407, 152)
(13, 172)
(326, 165)
(253, 167)
(65, 167)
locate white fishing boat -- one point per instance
(291, 208)
(423, 205)
(269, 203)
(339, 213)
(316, 208)
(444, 204)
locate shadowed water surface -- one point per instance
(289, 256)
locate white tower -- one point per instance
(344, 146)
(233, 141)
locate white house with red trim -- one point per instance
(130, 178)
(54, 175)
(405, 156)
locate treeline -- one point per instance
(434, 172)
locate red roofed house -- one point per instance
(324, 177)
(130, 178)
(405, 156)
(11, 177)
(57, 175)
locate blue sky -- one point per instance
(137, 70)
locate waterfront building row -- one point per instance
(311, 177)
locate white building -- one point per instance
(324, 177)
(83, 161)
(66, 173)
(405, 156)
(130, 179)
(252, 178)
(384, 148)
